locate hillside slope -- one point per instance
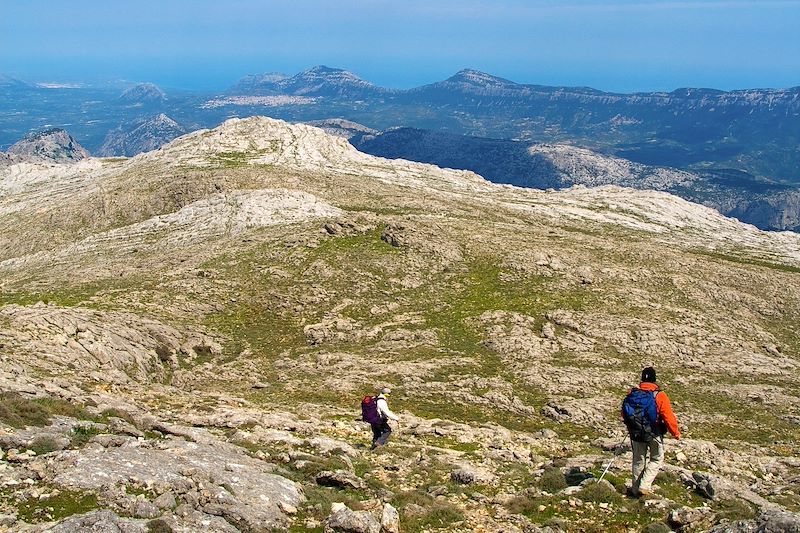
(218, 307)
(538, 165)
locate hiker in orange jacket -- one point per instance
(648, 455)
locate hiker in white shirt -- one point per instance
(382, 431)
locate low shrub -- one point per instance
(18, 411)
(439, 515)
(599, 493)
(552, 480)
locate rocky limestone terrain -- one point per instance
(185, 337)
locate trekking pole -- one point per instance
(611, 461)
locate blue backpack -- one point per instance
(640, 414)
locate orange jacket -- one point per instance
(664, 409)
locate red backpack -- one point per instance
(369, 410)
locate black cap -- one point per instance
(649, 375)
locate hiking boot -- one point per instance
(646, 493)
(632, 493)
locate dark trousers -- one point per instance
(380, 433)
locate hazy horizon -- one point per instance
(621, 46)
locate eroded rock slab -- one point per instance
(214, 477)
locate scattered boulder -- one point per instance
(123, 427)
(546, 433)
(390, 519)
(166, 501)
(340, 479)
(703, 485)
(689, 517)
(579, 411)
(657, 527)
(327, 445)
(393, 235)
(145, 509)
(577, 475)
(462, 476)
(768, 522)
(344, 519)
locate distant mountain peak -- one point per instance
(327, 81)
(319, 80)
(476, 77)
(53, 144)
(475, 83)
(162, 118)
(144, 93)
(337, 75)
(141, 137)
(323, 69)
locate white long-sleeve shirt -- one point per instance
(383, 409)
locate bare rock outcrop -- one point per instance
(106, 346)
(214, 477)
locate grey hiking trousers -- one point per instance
(647, 460)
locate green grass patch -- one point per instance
(437, 516)
(239, 159)
(734, 509)
(81, 435)
(671, 486)
(81, 294)
(740, 260)
(230, 159)
(61, 505)
(620, 515)
(18, 411)
(727, 413)
(43, 444)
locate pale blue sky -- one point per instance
(622, 45)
